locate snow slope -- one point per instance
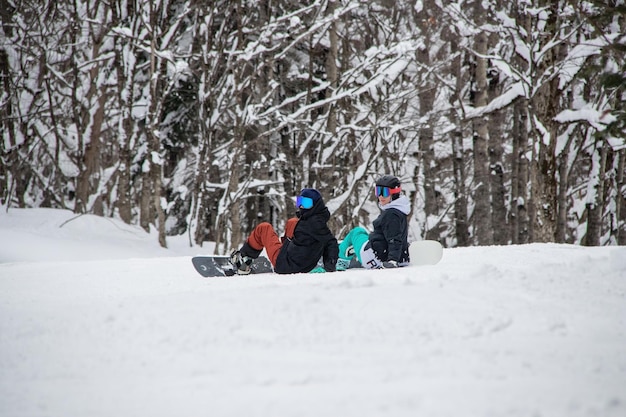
(97, 320)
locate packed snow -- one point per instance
(97, 320)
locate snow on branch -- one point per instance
(597, 119)
(577, 56)
(516, 90)
(254, 183)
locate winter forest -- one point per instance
(504, 120)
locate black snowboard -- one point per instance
(220, 266)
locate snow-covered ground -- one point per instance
(97, 320)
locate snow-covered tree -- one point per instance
(504, 120)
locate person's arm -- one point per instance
(393, 235)
(290, 227)
(331, 254)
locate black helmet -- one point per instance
(390, 182)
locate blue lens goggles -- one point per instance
(386, 191)
(304, 202)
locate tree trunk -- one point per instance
(145, 207)
(426, 94)
(595, 195)
(545, 106)
(155, 153)
(331, 70)
(563, 167)
(157, 184)
(124, 202)
(461, 226)
(501, 232)
(519, 175)
(460, 200)
(232, 212)
(620, 210)
(427, 152)
(483, 229)
(91, 162)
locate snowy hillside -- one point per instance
(96, 320)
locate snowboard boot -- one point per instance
(345, 259)
(343, 264)
(242, 263)
(242, 259)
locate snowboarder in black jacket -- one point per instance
(387, 245)
(307, 240)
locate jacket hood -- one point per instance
(319, 208)
(401, 203)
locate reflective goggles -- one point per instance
(304, 202)
(386, 191)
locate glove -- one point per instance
(330, 265)
(390, 264)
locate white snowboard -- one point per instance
(425, 252)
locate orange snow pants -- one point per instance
(264, 236)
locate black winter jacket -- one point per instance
(312, 240)
(389, 239)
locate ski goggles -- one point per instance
(386, 191)
(304, 202)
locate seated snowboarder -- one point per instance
(387, 246)
(307, 239)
